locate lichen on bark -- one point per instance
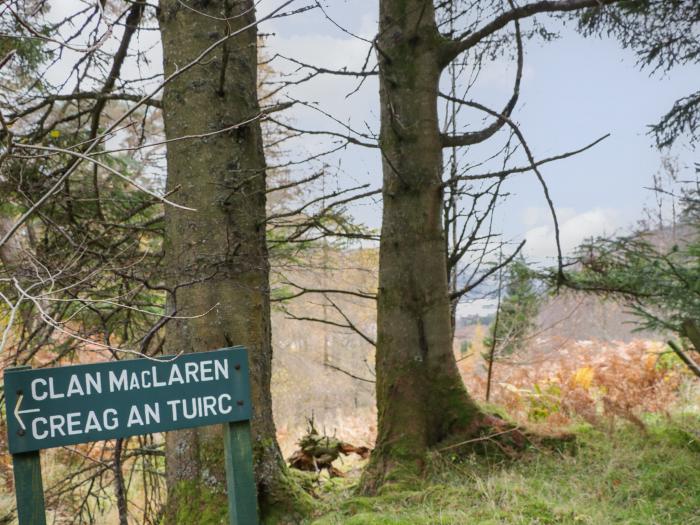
(217, 268)
(421, 398)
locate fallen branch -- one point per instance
(318, 452)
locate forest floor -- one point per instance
(620, 476)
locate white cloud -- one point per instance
(330, 48)
(574, 229)
(333, 52)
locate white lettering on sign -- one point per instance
(124, 381)
(200, 407)
(134, 417)
(35, 394)
(93, 383)
(48, 426)
(77, 386)
(74, 387)
(205, 368)
(151, 414)
(73, 424)
(175, 376)
(117, 384)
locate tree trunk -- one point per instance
(420, 395)
(217, 260)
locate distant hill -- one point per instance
(578, 316)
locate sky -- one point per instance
(574, 90)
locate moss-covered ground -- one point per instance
(625, 476)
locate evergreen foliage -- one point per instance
(518, 311)
(663, 34)
(660, 286)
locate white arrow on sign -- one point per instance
(18, 411)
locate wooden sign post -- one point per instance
(75, 404)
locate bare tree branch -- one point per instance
(452, 48)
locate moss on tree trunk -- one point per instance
(421, 398)
(217, 260)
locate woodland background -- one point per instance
(434, 329)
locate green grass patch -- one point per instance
(627, 477)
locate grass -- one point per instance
(623, 477)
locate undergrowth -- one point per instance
(585, 380)
(626, 476)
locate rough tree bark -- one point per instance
(217, 257)
(422, 401)
(420, 395)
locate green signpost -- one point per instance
(74, 404)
